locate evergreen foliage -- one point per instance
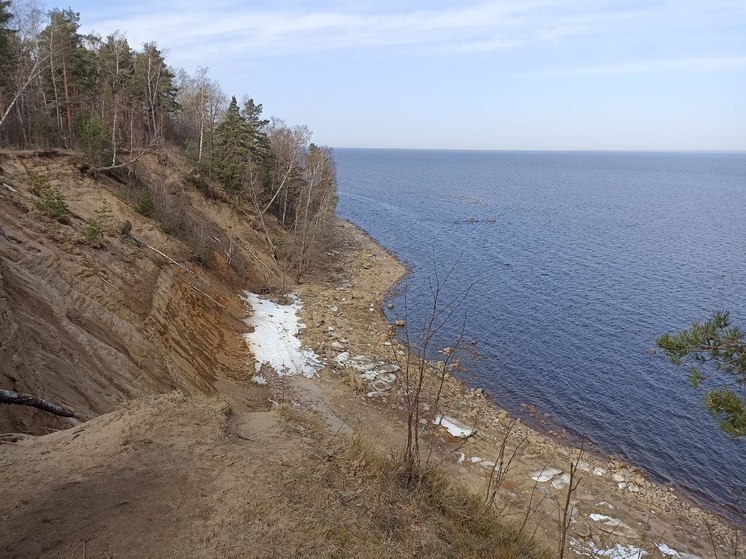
(717, 352)
(145, 203)
(94, 234)
(7, 56)
(50, 201)
(232, 148)
(116, 103)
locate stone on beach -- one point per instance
(545, 475)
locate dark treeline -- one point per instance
(63, 89)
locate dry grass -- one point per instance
(347, 500)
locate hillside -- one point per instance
(94, 327)
(208, 467)
(178, 453)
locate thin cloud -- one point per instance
(492, 26)
(192, 31)
(689, 65)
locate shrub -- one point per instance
(94, 234)
(145, 203)
(51, 201)
(105, 217)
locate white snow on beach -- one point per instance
(275, 341)
(455, 428)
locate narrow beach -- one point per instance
(615, 509)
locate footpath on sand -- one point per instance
(341, 360)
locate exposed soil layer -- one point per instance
(228, 467)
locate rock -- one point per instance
(561, 482)
(475, 459)
(582, 529)
(338, 345)
(599, 471)
(487, 464)
(342, 358)
(545, 475)
(389, 369)
(461, 457)
(376, 394)
(614, 526)
(606, 505)
(390, 306)
(400, 323)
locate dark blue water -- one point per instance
(580, 262)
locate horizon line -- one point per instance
(582, 150)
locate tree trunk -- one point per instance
(21, 399)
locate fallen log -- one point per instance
(21, 399)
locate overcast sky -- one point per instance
(528, 74)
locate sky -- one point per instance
(519, 75)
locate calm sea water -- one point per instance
(579, 261)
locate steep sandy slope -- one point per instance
(90, 328)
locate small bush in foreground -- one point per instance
(145, 203)
(94, 234)
(51, 201)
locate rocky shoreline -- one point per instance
(616, 511)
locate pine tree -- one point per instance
(69, 73)
(232, 149)
(718, 351)
(7, 56)
(153, 86)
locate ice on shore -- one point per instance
(455, 428)
(275, 341)
(619, 551)
(545, 475)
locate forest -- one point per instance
(62, 89)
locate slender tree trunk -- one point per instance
(68, 104)
(54, 83)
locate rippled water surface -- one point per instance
(580, 261)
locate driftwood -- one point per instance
(21, 399)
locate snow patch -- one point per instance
(452, 426)
(619, 551)
(274, 340)
(665, 550)
(259, 379)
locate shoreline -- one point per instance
(571, 439)
(640, 502)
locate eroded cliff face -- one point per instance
(91, 327)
